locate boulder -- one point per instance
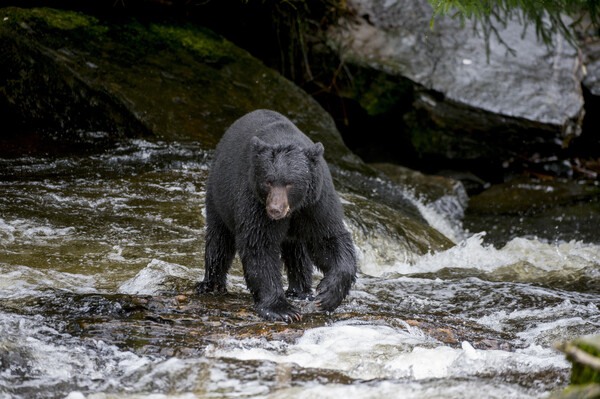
(63, 73)
(563, 210)
(590, 49)
(527, 196)
(482, 98)
(589, 44)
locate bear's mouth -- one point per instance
(277, 214)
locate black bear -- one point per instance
(270, 197)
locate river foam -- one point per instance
(372, 352)
(525, 257)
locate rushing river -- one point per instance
(99, 254)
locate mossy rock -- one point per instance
(428, 187)
(386, 236)
(525, 195)
(63, 73)
(378, 92)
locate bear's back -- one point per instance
(270, 126)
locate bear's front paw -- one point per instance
(280, 309)
(329, 295)
(207, 287)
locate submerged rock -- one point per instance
(495, 100)
(165, 325)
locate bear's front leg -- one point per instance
(299, 270)
(336, 258)
(262, 271)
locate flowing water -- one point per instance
(99, 255)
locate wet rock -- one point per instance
(164, 326)
(63, 73)
(431, 188)
(13, 359)
(479, 104)
(548, 209)
(443, 199)
(385, 236)
(526, 195)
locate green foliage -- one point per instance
(585, 367)
(546, 15)
(64, 20)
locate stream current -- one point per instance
(99, 255)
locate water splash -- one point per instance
(381, 352)
(522, 259)
(154, 278)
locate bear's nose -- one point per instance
(277, 203)
(277, 211)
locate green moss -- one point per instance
(426, 140)
(65, 20)
(71, 24)
(203, 43)
(378, 92)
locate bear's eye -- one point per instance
(268, 183)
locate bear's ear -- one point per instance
(315, 151)
(258, 145)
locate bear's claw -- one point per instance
(328, 298)
(204, 288)
(279, 310)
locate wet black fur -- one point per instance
(264, 146)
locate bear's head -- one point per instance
(285, 177)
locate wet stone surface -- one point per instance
(550, 209)
(184, 325)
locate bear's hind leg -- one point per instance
(218, 256)
(299, 270)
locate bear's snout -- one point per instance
(277, 203)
